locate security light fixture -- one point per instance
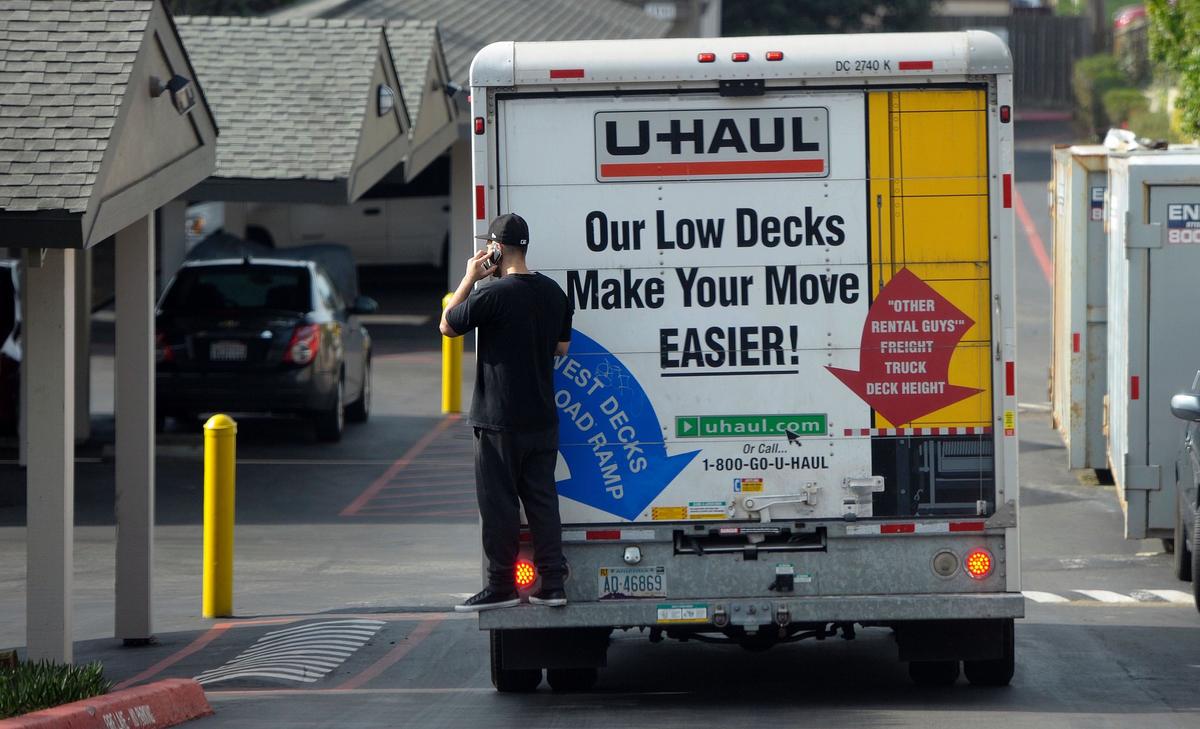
(183, 92)
(385, 100)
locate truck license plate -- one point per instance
(227, 352)
(621, 582)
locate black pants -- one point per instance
(511, 469)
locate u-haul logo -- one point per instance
(712, 144)
(1183, 222)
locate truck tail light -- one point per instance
(304, 345)
(774, 55)
(706, 57)
(526, 574)
(979, 563)
(162, 350)
(479, 125)
(1005, 114)
(740, 57)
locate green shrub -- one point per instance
(1122, 102)
(32, 686)
(1093, 77)
(1153, 125)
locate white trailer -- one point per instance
(789, 404)
(1153, 254)
(1079, 359)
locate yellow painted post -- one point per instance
(220, 441)
(452, 354)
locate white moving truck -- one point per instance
(788, 408)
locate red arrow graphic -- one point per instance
(907, 342)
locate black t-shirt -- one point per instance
(521, 318)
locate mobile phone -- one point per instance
(493, 259)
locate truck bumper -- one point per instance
(760, 611)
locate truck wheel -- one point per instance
(998, 671)
(331, 422)
(933, 673)
(518, 680)
(572, 679)
(1183, 555)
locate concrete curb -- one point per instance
(160, 704)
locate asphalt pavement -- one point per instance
(365, 545)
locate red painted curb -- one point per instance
(160, 704)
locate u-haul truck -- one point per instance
(788, 408)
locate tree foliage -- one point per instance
(781, 17)
(1175, 44)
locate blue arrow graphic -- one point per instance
(608, 433)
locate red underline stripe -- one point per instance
(686, 169)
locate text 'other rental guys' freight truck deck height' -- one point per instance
(788, 406)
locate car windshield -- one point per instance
(243, 287)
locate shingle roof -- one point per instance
(289, 96)
(469, 25)
(412, 43)
(64, 68)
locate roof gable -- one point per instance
(290, 96)
(66, 66)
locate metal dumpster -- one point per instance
(1078, 362)
(1154, 351)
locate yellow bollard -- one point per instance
(220, 442)
(452, 354)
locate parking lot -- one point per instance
(374, 538)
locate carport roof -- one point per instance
(290, 96)
(469, 25)
(64, 68)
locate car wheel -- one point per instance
(332, 421)
(1183, 555)
(359, 410)
(1195, 561)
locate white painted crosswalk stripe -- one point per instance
(1174, 596)
(1049, 597)
(304, 654)
(1106, 596)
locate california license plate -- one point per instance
(621, 582)
(227, 352)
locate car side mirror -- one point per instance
(1186, 406)
(364, 305)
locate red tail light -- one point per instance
(979, 563)
(774, 55)
(740, 57)
(305, 343)
(162, 350)
(479, 127)
(706, 57)
(526, 573)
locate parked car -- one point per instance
(268, 335)
(1186, 407)
(10, 347)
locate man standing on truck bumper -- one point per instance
(524, 321)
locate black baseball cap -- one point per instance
(509, 229)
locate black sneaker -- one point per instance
(489, 599)
(550, 597)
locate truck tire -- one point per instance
(565, 680)
(998, 671)
(1183, 555)
(933, 673)
(518, 680)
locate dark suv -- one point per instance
(262, 335)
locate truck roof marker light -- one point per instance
(566, 73)
(525, 573)
(774, 55)
(978, 563)
(740, 57)
(706, 57)
(479, 126)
